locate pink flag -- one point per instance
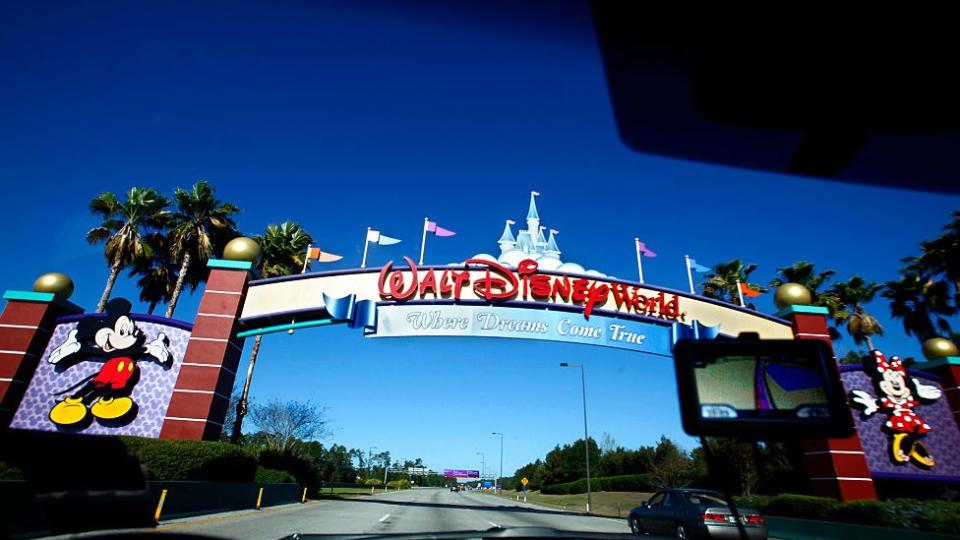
(642, 248)
(437, 230)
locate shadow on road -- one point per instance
(496, 508)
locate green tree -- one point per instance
(922, 304)
(850, 296)
(672, 466)
(804, 273)
(283, 251)
(123, 229)
(722, 281)
(201, 226)
(940, 257)
(156, 275)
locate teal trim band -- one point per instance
(230, 265)
(282, 327)
(29, 296)
(937, 362)
(814, 310)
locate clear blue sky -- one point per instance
(343, 116)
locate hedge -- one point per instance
(274, 476)
(399, 484)
(927, 515)
(193, 460)
(626, 482)
(9, 473)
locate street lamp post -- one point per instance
(586, 438)
(483, 466)
(500, 477)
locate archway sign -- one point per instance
(173, 379)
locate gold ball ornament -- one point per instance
(242, 249)
(790, 294)
(939, 347)
(54, 282)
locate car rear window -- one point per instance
(703, 498)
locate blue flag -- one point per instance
(698, 267)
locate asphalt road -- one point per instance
(410, 511)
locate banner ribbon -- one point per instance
(361, 314)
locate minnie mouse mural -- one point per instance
(900, 395)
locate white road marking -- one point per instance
(494, 524)
(384, 518)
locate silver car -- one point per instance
(694, 513)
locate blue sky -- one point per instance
(343, 116)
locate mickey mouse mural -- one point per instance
(117, 342)
(900, 395)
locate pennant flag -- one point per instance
(438, 230)
(642, 248)
(698, 267)
(381, 239)
(315, 254)
(747, 291)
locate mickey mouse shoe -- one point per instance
(68, 412)
(111, 408)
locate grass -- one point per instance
(605, 503)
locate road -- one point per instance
(409, 511)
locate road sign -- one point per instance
(524, 481)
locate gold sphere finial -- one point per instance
(54, 282)
(939, 347)
(242, 249)
(790, 294)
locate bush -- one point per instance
(372, 482)
(877, 513)
(800, 506)
(626, 482)
(302, 469)
(193, 460)
(9, 473)
(399, 484)
(274, 476)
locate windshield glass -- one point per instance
(285, 237)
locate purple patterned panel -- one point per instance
(942, 440)
(151, 394)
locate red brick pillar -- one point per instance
(202, 392)
(25, 327)
(948, 368)
(836, 467)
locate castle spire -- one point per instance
(533, 217)
(507, 241)
(552, 249)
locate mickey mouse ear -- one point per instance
(118, 306)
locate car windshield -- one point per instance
(374, 267)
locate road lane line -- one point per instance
(494, 524)
(384, 518)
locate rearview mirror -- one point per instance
(757, 389)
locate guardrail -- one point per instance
(26, 514)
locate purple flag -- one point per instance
(437, 230)
(642, 248)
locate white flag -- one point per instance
(381, 239)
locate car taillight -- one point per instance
(754, 520)
(716, 518)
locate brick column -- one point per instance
(836, 467)
(202, 392)
(25, 326)
(948, 368)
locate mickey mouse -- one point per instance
(115, 340)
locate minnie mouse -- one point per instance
(119, 344)
(901, 395)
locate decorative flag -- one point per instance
(437, 230)
(377, 238)
(315, 254)
(642, 248)
(698, 267)
(748, 292)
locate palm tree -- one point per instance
(850, 296)
(201, 225)
(123, 228)
(157, 274)
(941, 256)
(805, 274)
(283, 251)
(922, 303)
(722, 285)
